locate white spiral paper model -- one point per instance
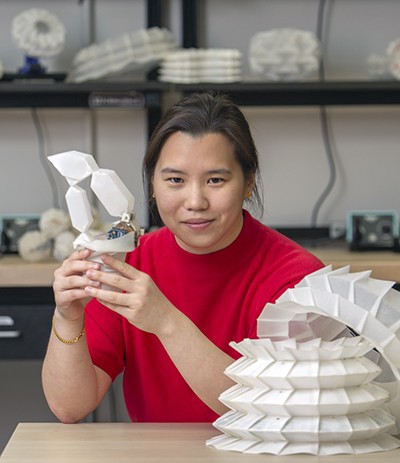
(38, 33)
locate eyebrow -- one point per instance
(172, 170)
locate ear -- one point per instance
(251, 182)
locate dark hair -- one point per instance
(204, 113)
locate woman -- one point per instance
(189, 288)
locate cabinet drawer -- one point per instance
(25, 322)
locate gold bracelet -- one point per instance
(68, 341)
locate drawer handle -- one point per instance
(10, 334)
(6, 320)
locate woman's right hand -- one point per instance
(69, 282)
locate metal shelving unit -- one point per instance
(305, 93)
(286, 94)
(54, 93)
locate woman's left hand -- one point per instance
(137, 297)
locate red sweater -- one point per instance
(223, 293)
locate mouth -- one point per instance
(197, 223)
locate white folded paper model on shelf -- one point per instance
(112, 194)
(38, 33)
(323, 377)
(284, 54)
(137, 51)
(196, 65)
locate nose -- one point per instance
(196, 198)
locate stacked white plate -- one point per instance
(196, 65)
(138, 51)
(304, 391)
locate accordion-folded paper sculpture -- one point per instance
(196, 65)
(323, 377)
(133, 52)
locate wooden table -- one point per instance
(16, 272)
(149, 443)
(385, 265)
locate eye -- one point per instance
(175, 180)
(215, 180)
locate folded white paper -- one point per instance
(324, 377)
(112, 193)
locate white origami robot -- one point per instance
(324, 377)
(111, 192)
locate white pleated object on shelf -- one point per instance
(136, 51)
(197, 65)
(311, 389)
(38, 33)
(284, 54)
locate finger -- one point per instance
(120, 266)
(112, 299)
(79, 254)
(113, 279)
(79, 267)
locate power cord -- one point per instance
(324, 124)
(43, 158)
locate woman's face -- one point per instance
(200, 188)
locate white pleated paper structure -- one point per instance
(284, 54)
(324, 376)
(196, 65)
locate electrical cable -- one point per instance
(324, 125)
(43, 158)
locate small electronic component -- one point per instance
(124, 226)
